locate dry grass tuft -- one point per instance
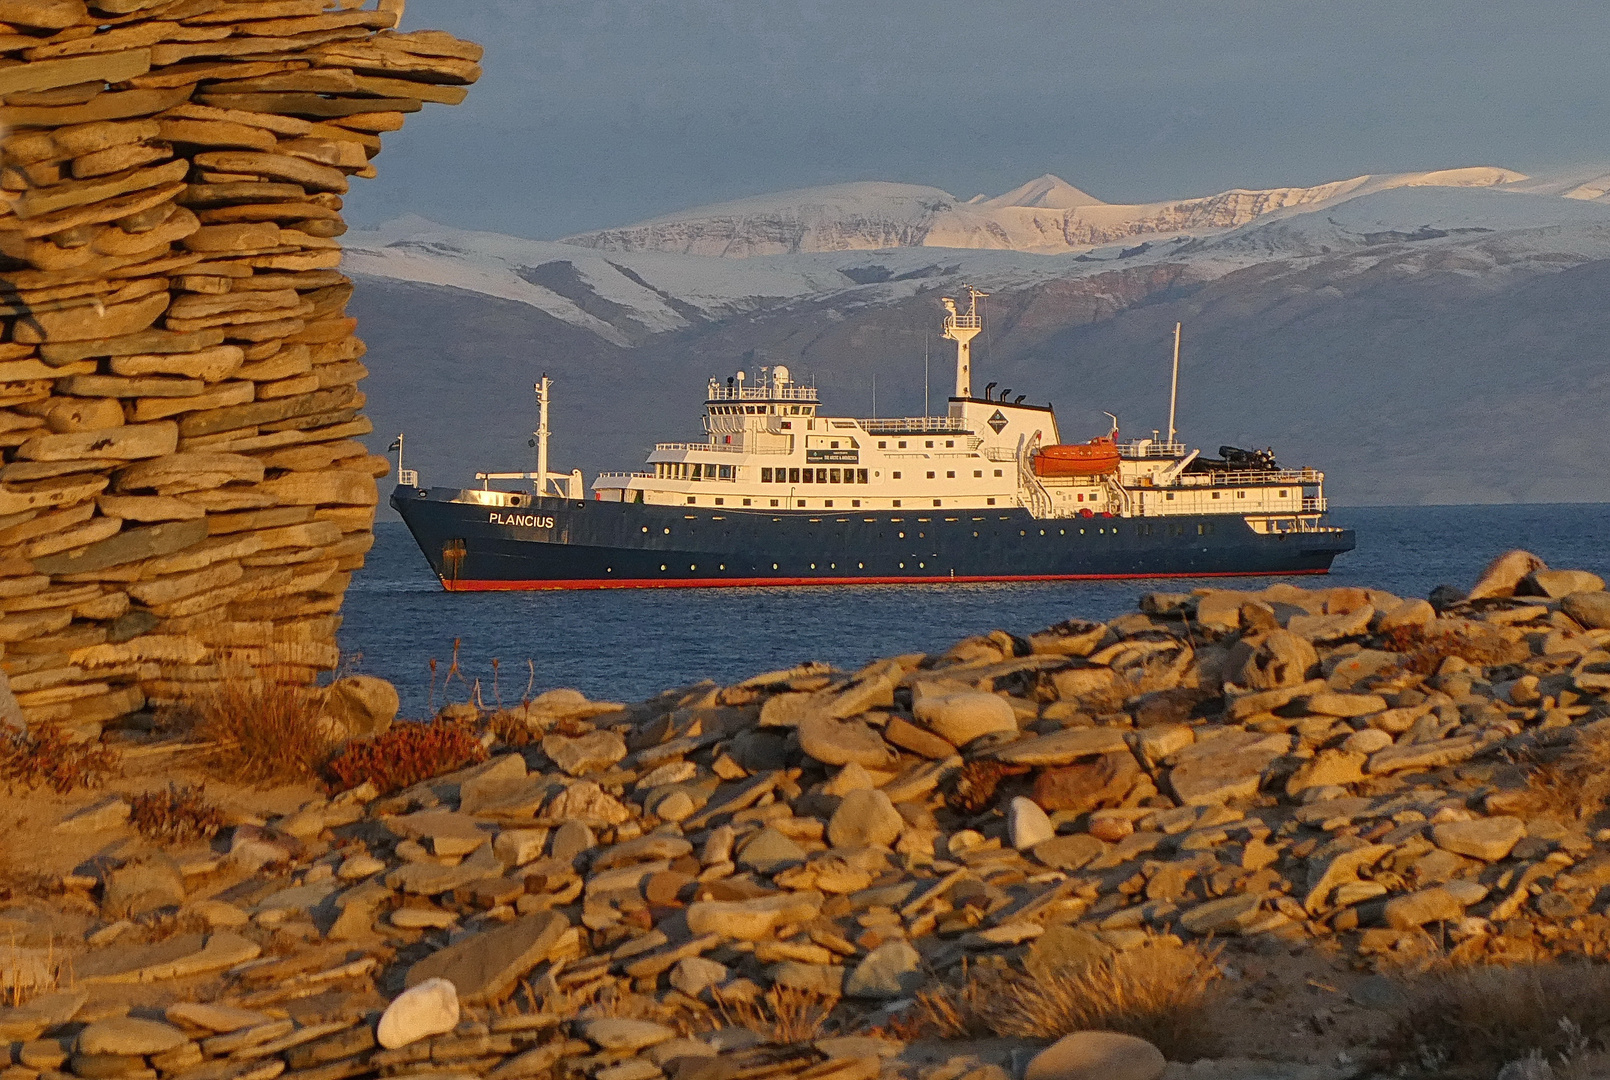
(406, 755)
(1463, 1024)
(1161, 993)
(1575, 787)
(179, 815)
(1423, 652)
(268, 732)
(47, 756)
(784, 1014)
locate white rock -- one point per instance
(359, 866)
(1028, 823)
(431, 1008)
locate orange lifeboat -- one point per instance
(1094, 458)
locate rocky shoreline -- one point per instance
(1249, 783)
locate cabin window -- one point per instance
(828, 503)
(787, 425)
(855, 502)
(775, 502)
(833, 476)
(901, 444)
(833, 444)
(720, 501)
(793, 476)
(895, 475)
(997, 472)
(936, 502)
(950, 474)
(1240, 494)
(1169, 496)
(989, 502)
(802, 504)
(978, 472)
(883, 444)
(929, 443)
(949, 443)
(1079, 498)
(810, 476)
(765, 476)
(897, 504)
(860, 476)
(1216, 494)
(930, 475)
(692, 500)
(1282, 493)
(748, 502)
(821, 476)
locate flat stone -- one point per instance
(1333, 703)
(1329, 768)
(449, 833)
(427, 1008)
(582, 754)
(892, 970)
(1097, 1055)
(1324, 875)
(1210, 779)
(1227, 915)
(104, 816)
(908, 736)
(824, 980)
(840, 742)
(431, 879)
(1069, 852)
(1321, 628)
(1062, 747)
(1489, 839)
(1504, 573)
(1027, 824)
(695, 974)
(129, 1035)
(486, 966)
(1436, 904)
(769, 851)
(143, 887)
(650, 848)
(572, 839)
(615, 1033)
(29, 1021)
(218, 1019)
(516, 847)
(1426, 755)
(752, 920)
(865, 818)
(960, 718)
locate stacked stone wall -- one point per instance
(184, 496)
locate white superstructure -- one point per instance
(769, 448)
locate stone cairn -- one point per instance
(1338, 768)
(184, 496)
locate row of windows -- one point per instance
(1169, 496)
(693, 500)
(900, 444)
(682, 470)
(814, 476)
(763, 410)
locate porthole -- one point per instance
(645, 528)
(902, 536)
(693, 566)
(832, 566)
(774, 566)
(667, 532)
(1042, 532)
(662, 566)
(609, 569)
(813, 566)
(860, 566)
(723, 566)
(902, 566)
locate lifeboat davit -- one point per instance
(1094, 458)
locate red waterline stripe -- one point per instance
(753, 582)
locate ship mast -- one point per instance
(542, 435)
(1174, 387)
(962, 329)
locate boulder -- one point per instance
(581, 754)
(1489, 839)
(485, 967)
(427, 1008)
(1277, 660)
(1097, 1055)
(1504, 574)
(1556, 584)
(1089, 785)
(841, 742)
(961, 717)
(1591, 609)
(129, 1036)
(361, 706)
(140, 888)
(865, 818)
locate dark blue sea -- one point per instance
(626, 645)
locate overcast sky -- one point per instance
(606, 112)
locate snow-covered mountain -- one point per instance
(1047, 215)
(1406, 332)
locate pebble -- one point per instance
(1028, 824)
(892, 970)
(613, 1033)
(128, 1036)
(1097, 1055)
(959, 718)
(865, 818)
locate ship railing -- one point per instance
(1000, 453)
(964, 322)
(1314, 504)
(763, 392)
(721, 448)
(1232, 478)
(623, 476)
(1150, 448)
(408, 477)
(917, 425)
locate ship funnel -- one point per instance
(962, 329)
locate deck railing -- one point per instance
(917, 425)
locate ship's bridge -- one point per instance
(744, 405)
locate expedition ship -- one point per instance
(779, 493)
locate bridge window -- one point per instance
(725, 472)
(793, 476)
(834, 476)
(765, 476)
(860, 476)
(810, 476)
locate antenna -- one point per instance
(1174, 387)
(925, 374)
(874, 395)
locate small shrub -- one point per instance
(973, 790)
(47, 756)
(1422, 651)
(179, 815)
(406, 755)
(1575, 787)
(267, 731)
(1464, 1023)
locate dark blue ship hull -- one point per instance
(552, 543)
